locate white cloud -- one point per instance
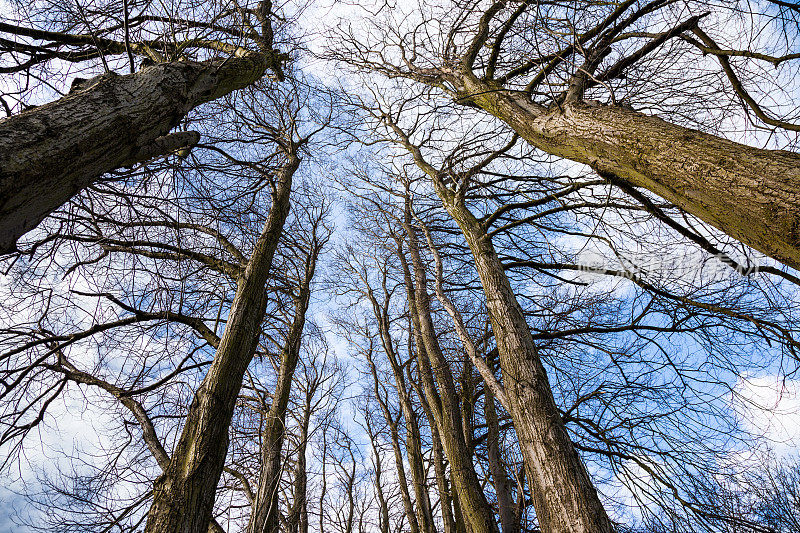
(769, 406)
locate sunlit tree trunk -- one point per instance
(751, 194)
(564, 497)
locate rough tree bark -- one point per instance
(183, 497)
(751, 194)
(563, 495)
(51, 152)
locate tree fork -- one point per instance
(50, 152)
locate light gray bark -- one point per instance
(49, 153)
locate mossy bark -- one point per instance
(751, 194)
(183, 497)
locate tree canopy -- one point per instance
(460, 267)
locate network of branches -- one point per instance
(463, 267)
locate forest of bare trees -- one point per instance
(488, 266)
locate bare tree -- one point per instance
(264, 517)
(564, 75)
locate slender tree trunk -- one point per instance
(300, 496)
(265, 517)
(413, 437)
(49, 153)
(383, 504)
(563, 495)
(473, 501)
(466, 406)
(183, 497)
(324, 483)
(751, 194)
(394, 435)
(506, 506)
(351, 503)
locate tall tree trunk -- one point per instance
(324, 479)
(49, 153)
(298, 516)
(383, 504)
(413, 436)
(563, 495)
(474, 506)
(751, 194)
(183, 497)
(394, 435)
(265, 517)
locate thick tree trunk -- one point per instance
(751, 194)
(265, 517)
(563, 495)
(50, 152)
(183, 497)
